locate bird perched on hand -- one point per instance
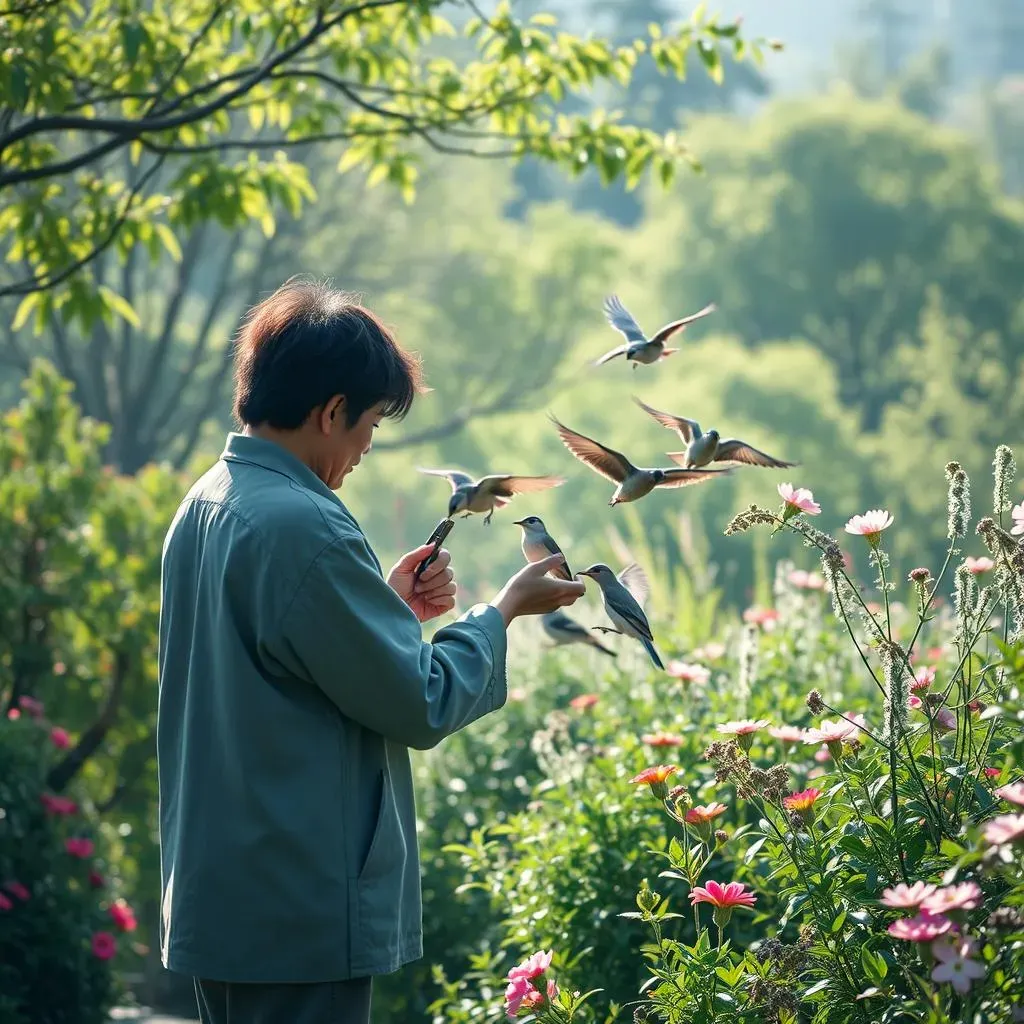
(538, 544)
(564, 630)
(624, 596)
(633, 482)
(489, 492)
(638, 347)
(705, 448)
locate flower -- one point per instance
(583, 701)
(5, 903)
(914, 702)
(57, 804)
(803, 801)
(13, 714)
(821, 754)
(95, 879)
(804, 580)
(993, 773)
(60, 738)
(965, 896)
(533, 966)
(519, 995)
(1017, 515)
(922, 928)
(1012, 791)
(761, 616)
(123, 916)
(18, 890)
(656, 777)
(744, 730)
(870, 524)
(661, 739)
(702, 815)
(31, 706)
(79, 847)
(688, 673)
(830, 732)
(907, 897)
(923, 678)
(955, 965)
(724, 898)
(709, 652)
(945, 720)
(104, 946)
(799, 499)
(787, 733)
(979, 565)
(1004, 830)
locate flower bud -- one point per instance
(646, 898)
(815, 703)
(721, 835)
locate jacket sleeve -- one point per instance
(347, 632)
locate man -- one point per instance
(293, 679)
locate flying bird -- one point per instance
(624, 596)
(638, 347)
(538, 544)
(489, 492)
(705, 448)
(564, 630)
(632, 482)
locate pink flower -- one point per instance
(661, 739)
(520, 994)
(1005, 830)
(923, 678)
(744, 727)
(787, 733)
(60, 738)
(517, 993)
(1017, 515)
(945, 720)
(870, 524)
(583, 701)
(765, 617)
(13, 714)
(655, 777)
(123, 916)
(5, 903)
(533, 966)
(965, 896)
(955, 965)
(831, 732)
(821, 755)
(907, 897)
(79, 847)
(993, 773)
(703, 815)
(57, 804)
(914, 702)
(31, 706)
(104, 945)
(799, 499)
(552, 989)
(734, 894)
(688, 673)
(803, 580)
(802, 801)
(979, 565)
(922, 928)
(1012, 791)
(18, 890)
(709, 652)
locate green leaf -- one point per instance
(169, 240)
(119, 304)
(24, 310)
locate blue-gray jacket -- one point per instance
(293, 681)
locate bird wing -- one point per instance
(685, 477)
(635, 580)
(621, 319)
(687, 428)
(505, 485)
(626, 605)
(668, 330)
(613, 354)
(455, 477)
(612, 465)
(734, 450)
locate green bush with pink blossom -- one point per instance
(818, 815)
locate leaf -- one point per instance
(169, 240)
(753, 849)
(24, 310)
(119, 304)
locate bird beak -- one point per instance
(518, 522)
(585, 572)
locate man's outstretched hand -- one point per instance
(433, 593)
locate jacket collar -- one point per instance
(258, 451)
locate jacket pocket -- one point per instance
(387, 847)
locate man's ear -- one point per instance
(332, 413)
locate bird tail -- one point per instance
(668, 352)
(653, 652)
(594, 642)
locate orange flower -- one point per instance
(583, 701)
(661, 739)
(655, 777)
(803, 801)
(702, 815)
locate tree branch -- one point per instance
(126, 779)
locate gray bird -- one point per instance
(624, 596)
(564, 630)
(489, 492)
(633, 482)
(538, 544)
(704, 448)
(638, 347)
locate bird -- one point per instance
(564, 630)
(624, 596)
(632, 482)
(704, 448)
(489, 492)
(638, 347)
(539, 544)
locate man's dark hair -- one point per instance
(308, 342)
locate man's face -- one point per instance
(347, 445)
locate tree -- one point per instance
(126, 126)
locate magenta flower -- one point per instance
(922, 928)
(1012, 791)
(870, 524)
(688, 673)
(955, 965)
(914, 702)
(1017, 515)
(59, 738)
(79, 847)
(123, 916)
(18, 890)
(907, 897)
(57, 804)
(979, 565)
(724, 898)
(521, 995)
(31, 706)
(532, 966)
(787, 733)
(799, 499)
(5, 903)
(104, 946)
(965, 896)
(1005, 830)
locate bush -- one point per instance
(62, 924)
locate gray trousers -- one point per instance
(328, 1002)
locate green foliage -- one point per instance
(129, 128)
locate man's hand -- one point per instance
(532, 592)
(433, 593)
